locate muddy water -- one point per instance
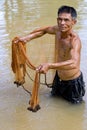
(18, 18)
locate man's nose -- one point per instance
(62, 21)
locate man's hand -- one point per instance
(18, 39)
(43, 68)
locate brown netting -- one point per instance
(19, 62)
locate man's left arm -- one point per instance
(73, 63)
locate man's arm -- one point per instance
(73, 63)
(39, 32)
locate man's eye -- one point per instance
(59, 19)
(67, 20)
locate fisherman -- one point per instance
(68, 81)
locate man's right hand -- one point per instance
(17, 39)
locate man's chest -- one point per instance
(64, 48)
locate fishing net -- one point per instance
(26, 60)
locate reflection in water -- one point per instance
(19, 18)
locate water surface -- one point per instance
(18, 18)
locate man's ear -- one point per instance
(57, 20)
(74, 21)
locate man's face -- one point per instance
(65, 22)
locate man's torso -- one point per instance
(63, 53)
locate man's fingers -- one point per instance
(39, 68)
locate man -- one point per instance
(68, 81)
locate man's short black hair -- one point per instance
(68, 9)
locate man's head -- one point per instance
(66, 18)
(68, 9)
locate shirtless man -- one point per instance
(68, 81)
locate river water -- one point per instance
(18, 18)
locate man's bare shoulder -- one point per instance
(76, 41)
(55, 28)
(52, 29)
(75, 36)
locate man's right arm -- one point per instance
(39, 32)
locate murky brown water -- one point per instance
(19, 17)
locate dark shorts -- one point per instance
(71, 90)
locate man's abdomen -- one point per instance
(69, 74)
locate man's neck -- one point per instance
(66, 34)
